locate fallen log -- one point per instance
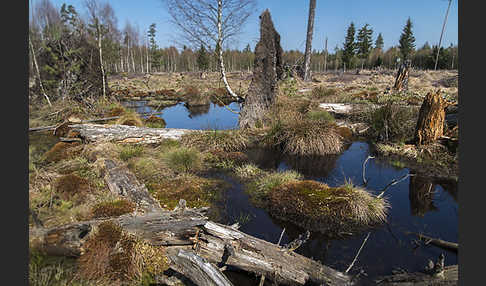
(52, 127)
(190, 228)
(198, 269)
(127, 134)
(347, 108)
(449, 276)
(437, 242)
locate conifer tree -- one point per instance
(202, 59)
(349, 45)
(379, 42)
(363, 44)
(407, 41)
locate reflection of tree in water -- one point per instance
(264, 158)
(449, 186)
(315, 166)
(197, 110)
(421, 195)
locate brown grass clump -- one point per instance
(155, 122)
(71, 186)
(118, 257)
(345, 132)
(130, 119)
(315, 205)
(306, 137)
(226, 140)
(112, 208)
(61, 151)
(117, 111)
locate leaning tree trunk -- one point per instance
(38, 73)
(308, 44)
(220, 52)
(98, 30)
(401, 81)
(430, 124)
(267, 70)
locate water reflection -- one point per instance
(197, 110)
(421, 195)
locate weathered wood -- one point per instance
(450, 276)
(401, 80)
(198, 269)
(215, 242)
(430, 123)
(347, 108)
(122, 182)
(52, 127)
(437, 242)
(267, 70)
(127, 134)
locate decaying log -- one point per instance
(177, 230)
(449, 276)
(53, 127)
(430, 123)
(347, 108)
(437, 242)
(122, 182)
(127, 134)
(198, 269)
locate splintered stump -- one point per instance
(430, 124)
(268, 69)
(401, 80)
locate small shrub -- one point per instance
(130, 151)
(113, 208)
(183, 159)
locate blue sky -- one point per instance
(331, 19)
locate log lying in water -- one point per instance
(189, 228)
(437, 242)
(127, 134)
(450, 276)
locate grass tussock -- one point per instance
(321, 91)
(259, 188)
(112, 208)
(62, 151)
(119, 257)
(315, 205)
(183, 159)
(155, 122)
(320, 115)
(225, 140)
(306, 137)
(130, 151)
(247, 171)
(72, 187)
(130, 118)
(392, 123)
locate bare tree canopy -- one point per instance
(197, 20)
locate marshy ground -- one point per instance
(66, 180)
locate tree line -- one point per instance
(62, 43)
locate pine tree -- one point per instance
(349, 45)
(407, 41)
(202, 59)
(364, 43)
(379, 42)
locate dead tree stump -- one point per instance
(430, 123)
(268, 69)
(401, 80)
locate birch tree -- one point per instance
(211, 23)
(308, 43)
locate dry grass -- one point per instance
(315, 205)
(225, 140)
(130, 118)
(62, 151)
(112, 208)
(155, 122)
(72, 187)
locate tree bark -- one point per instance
(430, 123)
(401, 80)
(267, 70)
(38, 73)
(308, 43)
(98, 31)
(220, 52)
